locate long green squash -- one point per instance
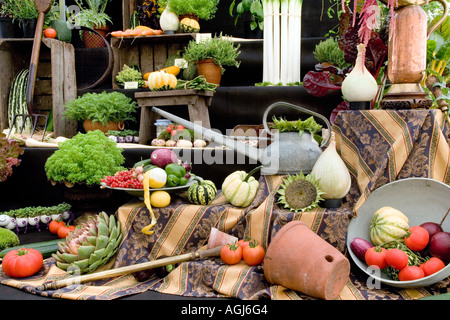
(17, 101)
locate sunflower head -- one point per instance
(299, 193)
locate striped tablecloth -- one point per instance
(378, 146)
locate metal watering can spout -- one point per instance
(289, 153)
(210, 135)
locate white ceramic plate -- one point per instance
(421, 200)
(140, 192)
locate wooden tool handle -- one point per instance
(130, 269)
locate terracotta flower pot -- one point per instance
(92, 39)
(90, 125)
(211, 71)
(299, 259)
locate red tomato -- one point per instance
(54, 225)
(244, 243)
(418, 239)
(22, 263)
(376, 256)
(396, 258)
(432, 266)
(50, 33)
(253, 254)
(180, 127)
(231, 253)
(410, 273)
(170, 127)
(64, 230)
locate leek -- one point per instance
(268, 41)
(276, 40)
(285, 39)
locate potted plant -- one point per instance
(104, 111)
(215, 53)
(23, 11)
(202, 9)
(92, 16)
(80, 163)
(254, 7)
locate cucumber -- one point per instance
(44, 247)
(143, 163)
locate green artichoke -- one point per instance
(90, 245)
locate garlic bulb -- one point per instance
(359, 84)
(332, 173)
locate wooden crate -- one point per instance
(55, 79)
(148, 53)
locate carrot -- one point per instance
(147, 32)
(157, 32)
(126, 33)
(136, 32)
(117, 34)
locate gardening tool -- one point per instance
(215, 243)
(42, 6)
(289, 152)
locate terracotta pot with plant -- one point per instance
(211, 55)
(103, 111)
(92, 16)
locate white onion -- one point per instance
(359, 84)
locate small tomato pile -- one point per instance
(405, 258)
(249, 250)
(60, 228)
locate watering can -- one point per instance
(289, 152)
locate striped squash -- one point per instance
(387, 224)
(202, 192)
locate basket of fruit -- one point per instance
(401, 236)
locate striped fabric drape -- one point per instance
(378, 146)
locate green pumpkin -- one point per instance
(202, 192)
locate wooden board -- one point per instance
(55, 82)
(148, 53)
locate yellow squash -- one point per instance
(239, 188)
(160, 80)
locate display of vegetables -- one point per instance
(404, 253)
(35, 216)
(129, 74)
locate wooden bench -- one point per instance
(197, 102)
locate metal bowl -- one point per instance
(421, 200)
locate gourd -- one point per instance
(387, 224)
(332, 173)
(202, 192)
(190, 72)
(160, 80)
(189, 25)
(170, 61)
(175, 70)
(63, 32)
(239, 188)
